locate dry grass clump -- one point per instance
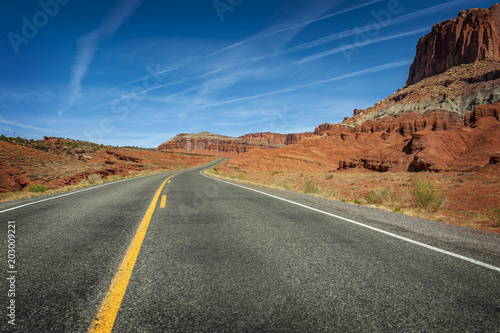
(426, 195)
(388, 197)
(94, 178)
(35, 188)
(494, 215)
(310, 187)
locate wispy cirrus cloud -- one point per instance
(346, 47)
(302, 24)
(87, 45)
(371, 70)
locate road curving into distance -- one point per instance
(207, 255)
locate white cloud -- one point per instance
(87, 45)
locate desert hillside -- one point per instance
(56, 162)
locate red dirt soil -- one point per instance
(58, 167)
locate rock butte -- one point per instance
(473, 36)
(214, 144)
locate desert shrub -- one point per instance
(309, 186)
(426, 196)
(494, 215)
(387, 197)
(36, 188)
(283, 183)
(329, 175)
(94, 178)
(377, 196)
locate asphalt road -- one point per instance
(222, 258)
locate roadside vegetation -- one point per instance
(448, 197)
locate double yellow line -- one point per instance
(105, 318)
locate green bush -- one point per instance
(36, 188)
(426, 196)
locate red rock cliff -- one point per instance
(473, 36)
(213, 144)
(265, 137)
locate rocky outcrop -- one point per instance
(430, 141)
(213, 144)
(473, 36)
(296, 137)
(405, 124)
(265, 137)
(323, 128)
(286, 139)
(483, 111)
(458, 90)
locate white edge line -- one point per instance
(71, 193)
(430, 247)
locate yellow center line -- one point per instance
(163, 202)
(105, 318)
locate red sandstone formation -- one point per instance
(296, 137)
(265, 137)
(433, 141)
(483, 111)
(286, 139)
(473, 36)
(213, 144)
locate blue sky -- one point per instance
(137, 72)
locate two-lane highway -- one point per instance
(221, 258)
